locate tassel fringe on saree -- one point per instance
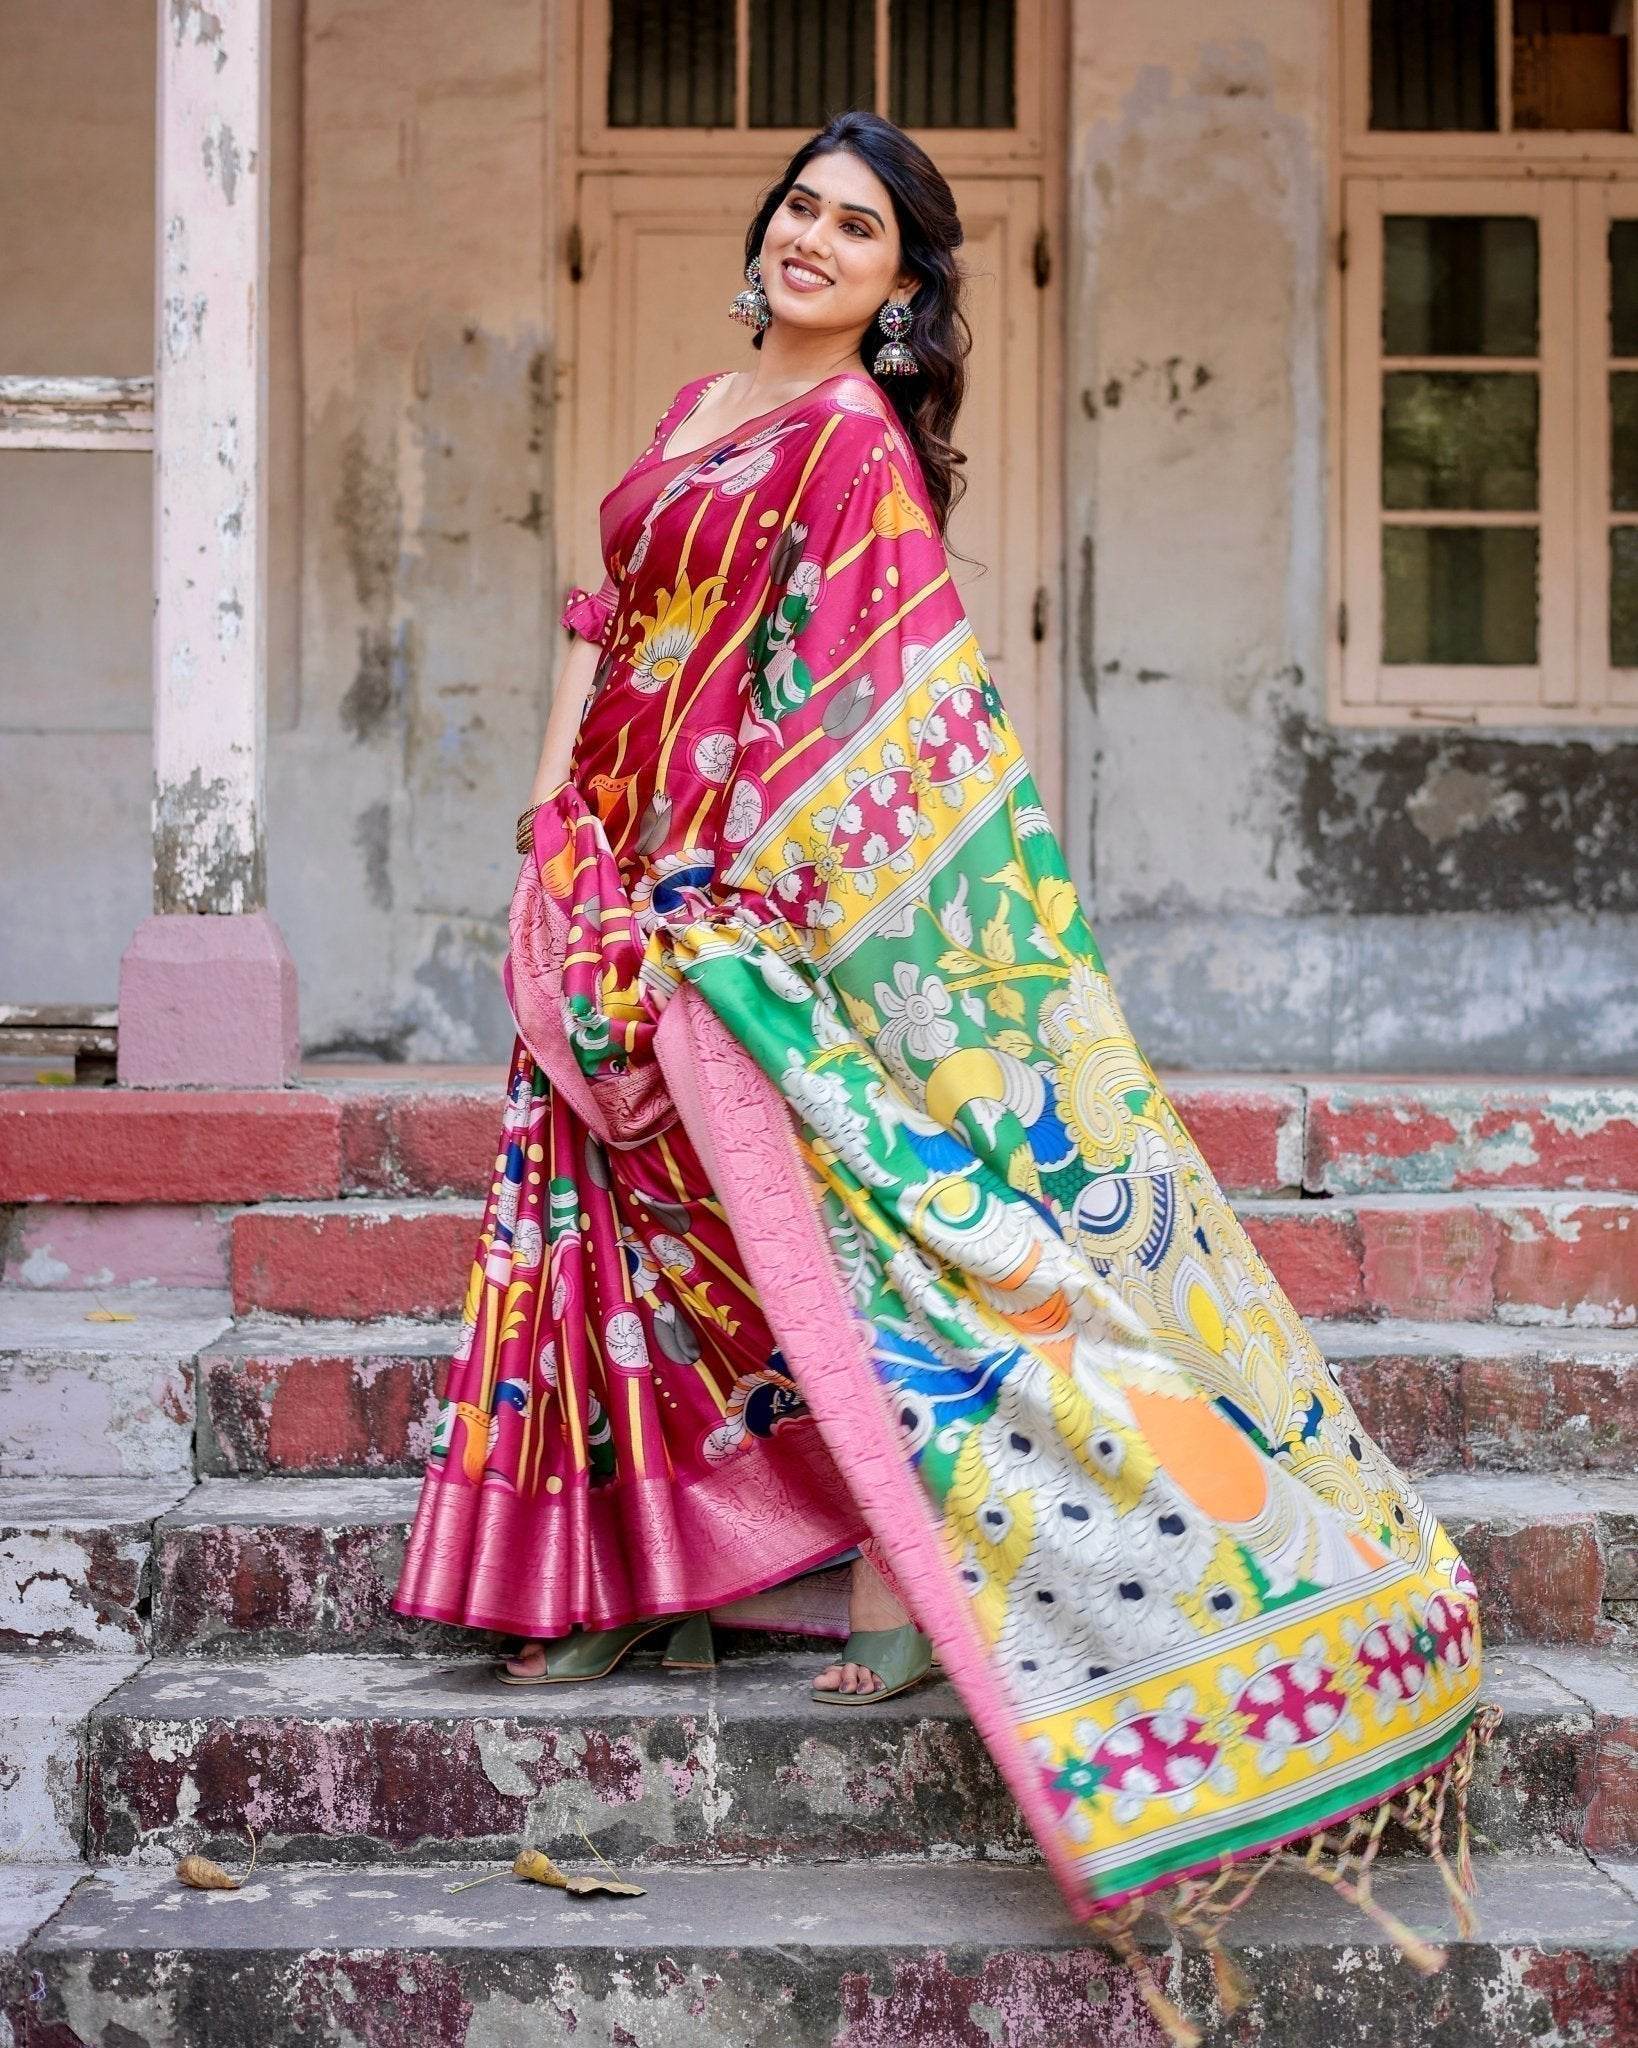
(835, 1199)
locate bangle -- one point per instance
(526, 834)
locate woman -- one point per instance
(836, 1204)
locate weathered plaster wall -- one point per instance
(424, 563)
(1273, 890)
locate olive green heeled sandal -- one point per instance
(593, 1653)
(900, 1657)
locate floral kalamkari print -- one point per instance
(1219, 1616)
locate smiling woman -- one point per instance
(837, 1206)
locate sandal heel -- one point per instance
(690, 1646)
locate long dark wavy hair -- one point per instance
(930, 234)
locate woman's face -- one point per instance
(831, 252)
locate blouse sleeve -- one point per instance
(587, 612)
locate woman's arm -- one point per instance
(574, 681)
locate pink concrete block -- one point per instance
(1433, 1263)
(134, 1245)
(319, 1412)
(1535, 1413)
(354, 1260)
(1251, 1136)
(1569, 1262)
(1540, 1578)
(420, 1141)
(1314, 1253)
(1412, 1406)
(207, 1002)
(1612, 1816)
(183, 1145)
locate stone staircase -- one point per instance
(202, 1515)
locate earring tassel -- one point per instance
(895, 360)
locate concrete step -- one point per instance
(1481, 1396)
(76, 1559)
(848, 1955)
(275, 1565)
(45, 1709)
(287, 1564)
(345, 1759)
(430, 1136)
(214, 1145)
(1566, 1259)
(295, 1397)
(81, 1396)
(268, 1565)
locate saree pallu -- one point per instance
(798, 920)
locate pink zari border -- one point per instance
(741, 1128)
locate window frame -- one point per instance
(1574, 188)
(1498, 147)
(644, 149)
(1609, 691)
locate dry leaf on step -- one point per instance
(539, 1868)
(202, 1875)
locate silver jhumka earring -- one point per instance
(894, 359)
(750, 308)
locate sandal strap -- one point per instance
(894, 1654)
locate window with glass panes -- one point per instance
(761, 64)
(1487, 538)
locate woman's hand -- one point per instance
(574, 681)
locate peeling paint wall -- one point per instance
(1273, 890)
(425, 671)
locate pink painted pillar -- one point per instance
(207, 987)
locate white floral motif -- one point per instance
(744, 812)
(820, 1095)
(918, 1013)
(714, 755)
(740, 472)
(623, 1339)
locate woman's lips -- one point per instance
(801, 279)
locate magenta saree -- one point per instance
(836, 1196)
